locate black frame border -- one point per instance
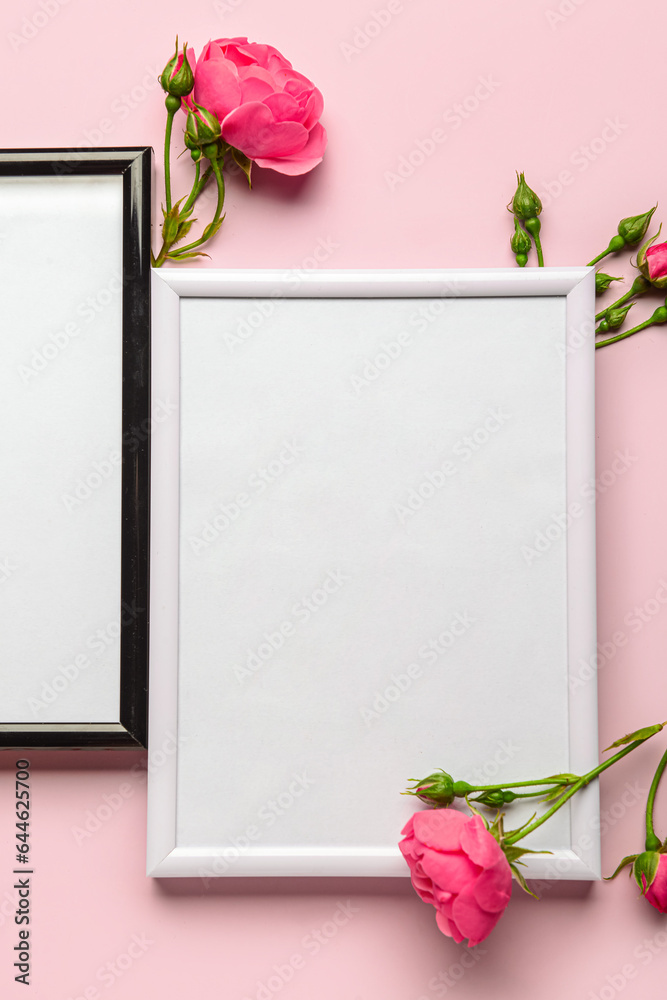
(134, 164)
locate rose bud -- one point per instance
(202, 127)
(652, 261)
(496, 797)
(436, 788)
(633, 229)
(525, 203)
(603, 281)
(520, 244)
(614, 318)
(177, 77)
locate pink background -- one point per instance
(557, 73)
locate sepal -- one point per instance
(639, 734)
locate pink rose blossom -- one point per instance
(656, 260)
(657, 891)
(266, 109)
(458, 867)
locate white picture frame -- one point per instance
(355, 459)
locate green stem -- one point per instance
(638, 287)
(628, 333)
(653, 842)
(615, 305)
(515, 835)
(514, 784)
(598, 258)
(167, 163)
(218, 211)
(538, 247)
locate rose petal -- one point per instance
(302, 162)
(440, 828)
(284, 108)
(471, 920)
(448, 927)
(254, 84)
(408, 829)
(493, 888)
(252, 129)
(313, 109)
(479, 844)
(657, 891)
(656, 259)
(217, 87)
(451, 872)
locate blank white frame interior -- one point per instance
(372, 555)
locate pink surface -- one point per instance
(565, 90)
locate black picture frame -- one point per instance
(133, 166)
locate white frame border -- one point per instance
(165, 858)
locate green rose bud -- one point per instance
(496, 798)
(614, 318)
(633, 229)
(437, 787)
(525, 204)
(520, 244)
(177, 82)
(202, 128)
(603, 281)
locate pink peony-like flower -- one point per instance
(458, 867)
(266, 109)
(656, 261)
(657, 891)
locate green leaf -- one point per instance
(639, 734)
(183, 229)
(243, 162)
(212, 229)
(514, 853)
(522, 882)
(630, 860)
(567, 779)
(186, 256)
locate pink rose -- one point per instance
(266, 109)
(657, 891)
(458, 867)
(656, 260)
